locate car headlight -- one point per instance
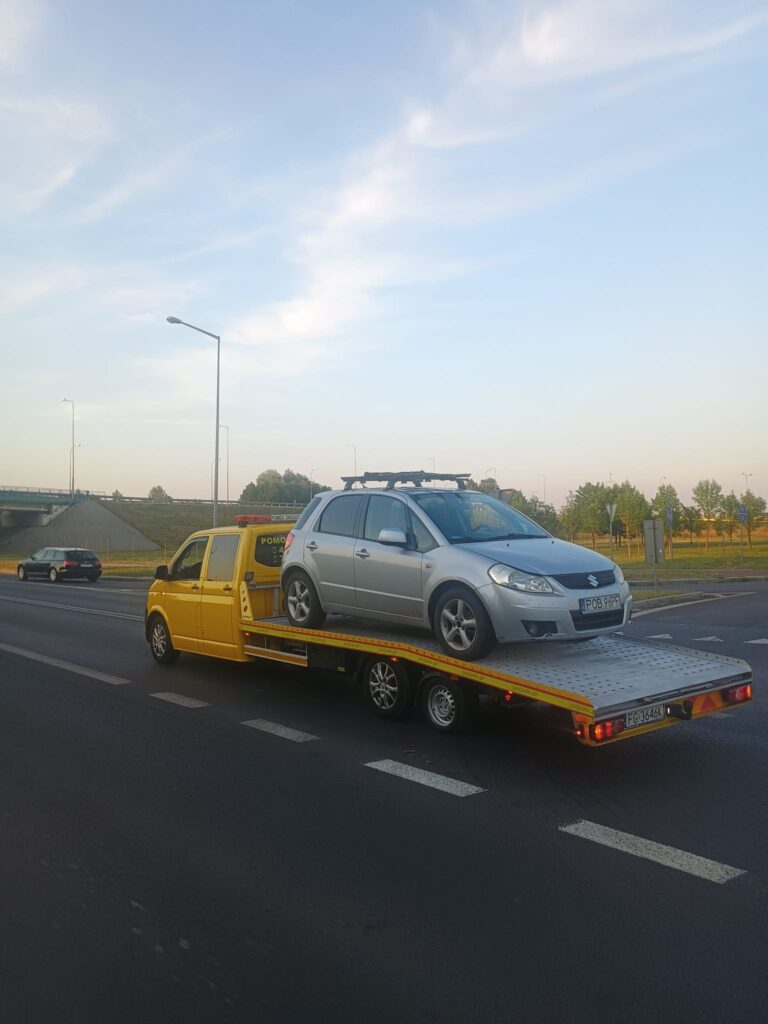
(515, 579)
(619, 575)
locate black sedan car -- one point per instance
(61, 564)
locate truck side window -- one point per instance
(340, 515)
(189, 563)
(221, 561)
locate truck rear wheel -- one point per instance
(388, 687)
(448, 705)
(302, 605)
(160, 642)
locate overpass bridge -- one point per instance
(32, 506)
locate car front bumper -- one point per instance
(518, 616)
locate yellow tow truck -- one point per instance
(220, 596)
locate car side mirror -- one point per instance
(396, 538)
(161, 572)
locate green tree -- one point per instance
(708, 499)
(158, 493)
(585, 510)
(249, 495)
(666, 497)
(489, 485)
(728, 516)
(538, 511)
(117, 496)
(755, 507)
(690, 520)
(632, 509)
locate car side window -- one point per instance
(221, 561)
(190, 561)
(340, 515)
(39, 556)
(424, 539)
(384, 513)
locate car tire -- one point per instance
(448, 705)
(53, 576)
(160, 643)
(91, 579)
(461, 624)
(302, 605)
(21, 572)
(388, 687)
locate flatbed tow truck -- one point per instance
(221, 597)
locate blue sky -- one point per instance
(525, 235)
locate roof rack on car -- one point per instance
(417, 477)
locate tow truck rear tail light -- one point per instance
(607, 730)
(289, 540)
(737, 694)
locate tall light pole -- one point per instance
(217, 339)
(72, 452)
(310, 481)
(223, 426)
(746, 481)
(354, 449)
(543, 488)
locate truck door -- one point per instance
(218, 594)
(388, 578)
(182, 595)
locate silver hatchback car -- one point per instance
(461, 563)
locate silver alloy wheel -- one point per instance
(299, 599)
(441, 705)
(159, 639)
(382, 685)
(458, 624)
(53, 575)
(21, 572)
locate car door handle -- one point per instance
(311, 546)
(362, 553)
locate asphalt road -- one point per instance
(164, 862)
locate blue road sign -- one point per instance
(742, 513)
(669, 513)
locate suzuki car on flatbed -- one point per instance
(220, 596)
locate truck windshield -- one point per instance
(470, 516)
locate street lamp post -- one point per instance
(543, 488)
(223, 426)
(310, 481)
(354, 449)
(746, 481)
(72, 451)
(217, 339)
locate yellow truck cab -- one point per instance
(194, 603)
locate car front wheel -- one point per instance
(21, 572)
(461, 624)
(302, 605)
(53, 575)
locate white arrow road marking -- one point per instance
(711, 639)
(669, 856)
(67, 666)
(762, 640)
(661, 636)
(441, 782)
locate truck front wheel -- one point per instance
(448, 705)
(388, 687)
(160, 642)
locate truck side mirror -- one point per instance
(161, 572)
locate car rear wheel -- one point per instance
(53, 575)
(302, 605)
(448, 705)
(388, 687)
(91, 579)
(461, 624)
(160, 642)
(21, 572)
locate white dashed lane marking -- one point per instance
(295, 735)
(67, 666)
(669, 856)
(179, 698)
(75, 608)
(424, 778)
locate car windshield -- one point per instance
(471, 516)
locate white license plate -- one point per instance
(601, 603)
(644, 716)
(86, 565)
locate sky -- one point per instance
(521, 239)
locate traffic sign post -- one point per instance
(669, 515)
(742, 520)
(610, 508)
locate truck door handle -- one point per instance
(194, 587)
(362, 553)
(226, 588)
(311, 546)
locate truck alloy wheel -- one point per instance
(388, 687)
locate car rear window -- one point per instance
(81, 556)
(306, 513)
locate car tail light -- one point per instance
(607, 730)
(71, 565)
(737, 694)
(289, 539)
